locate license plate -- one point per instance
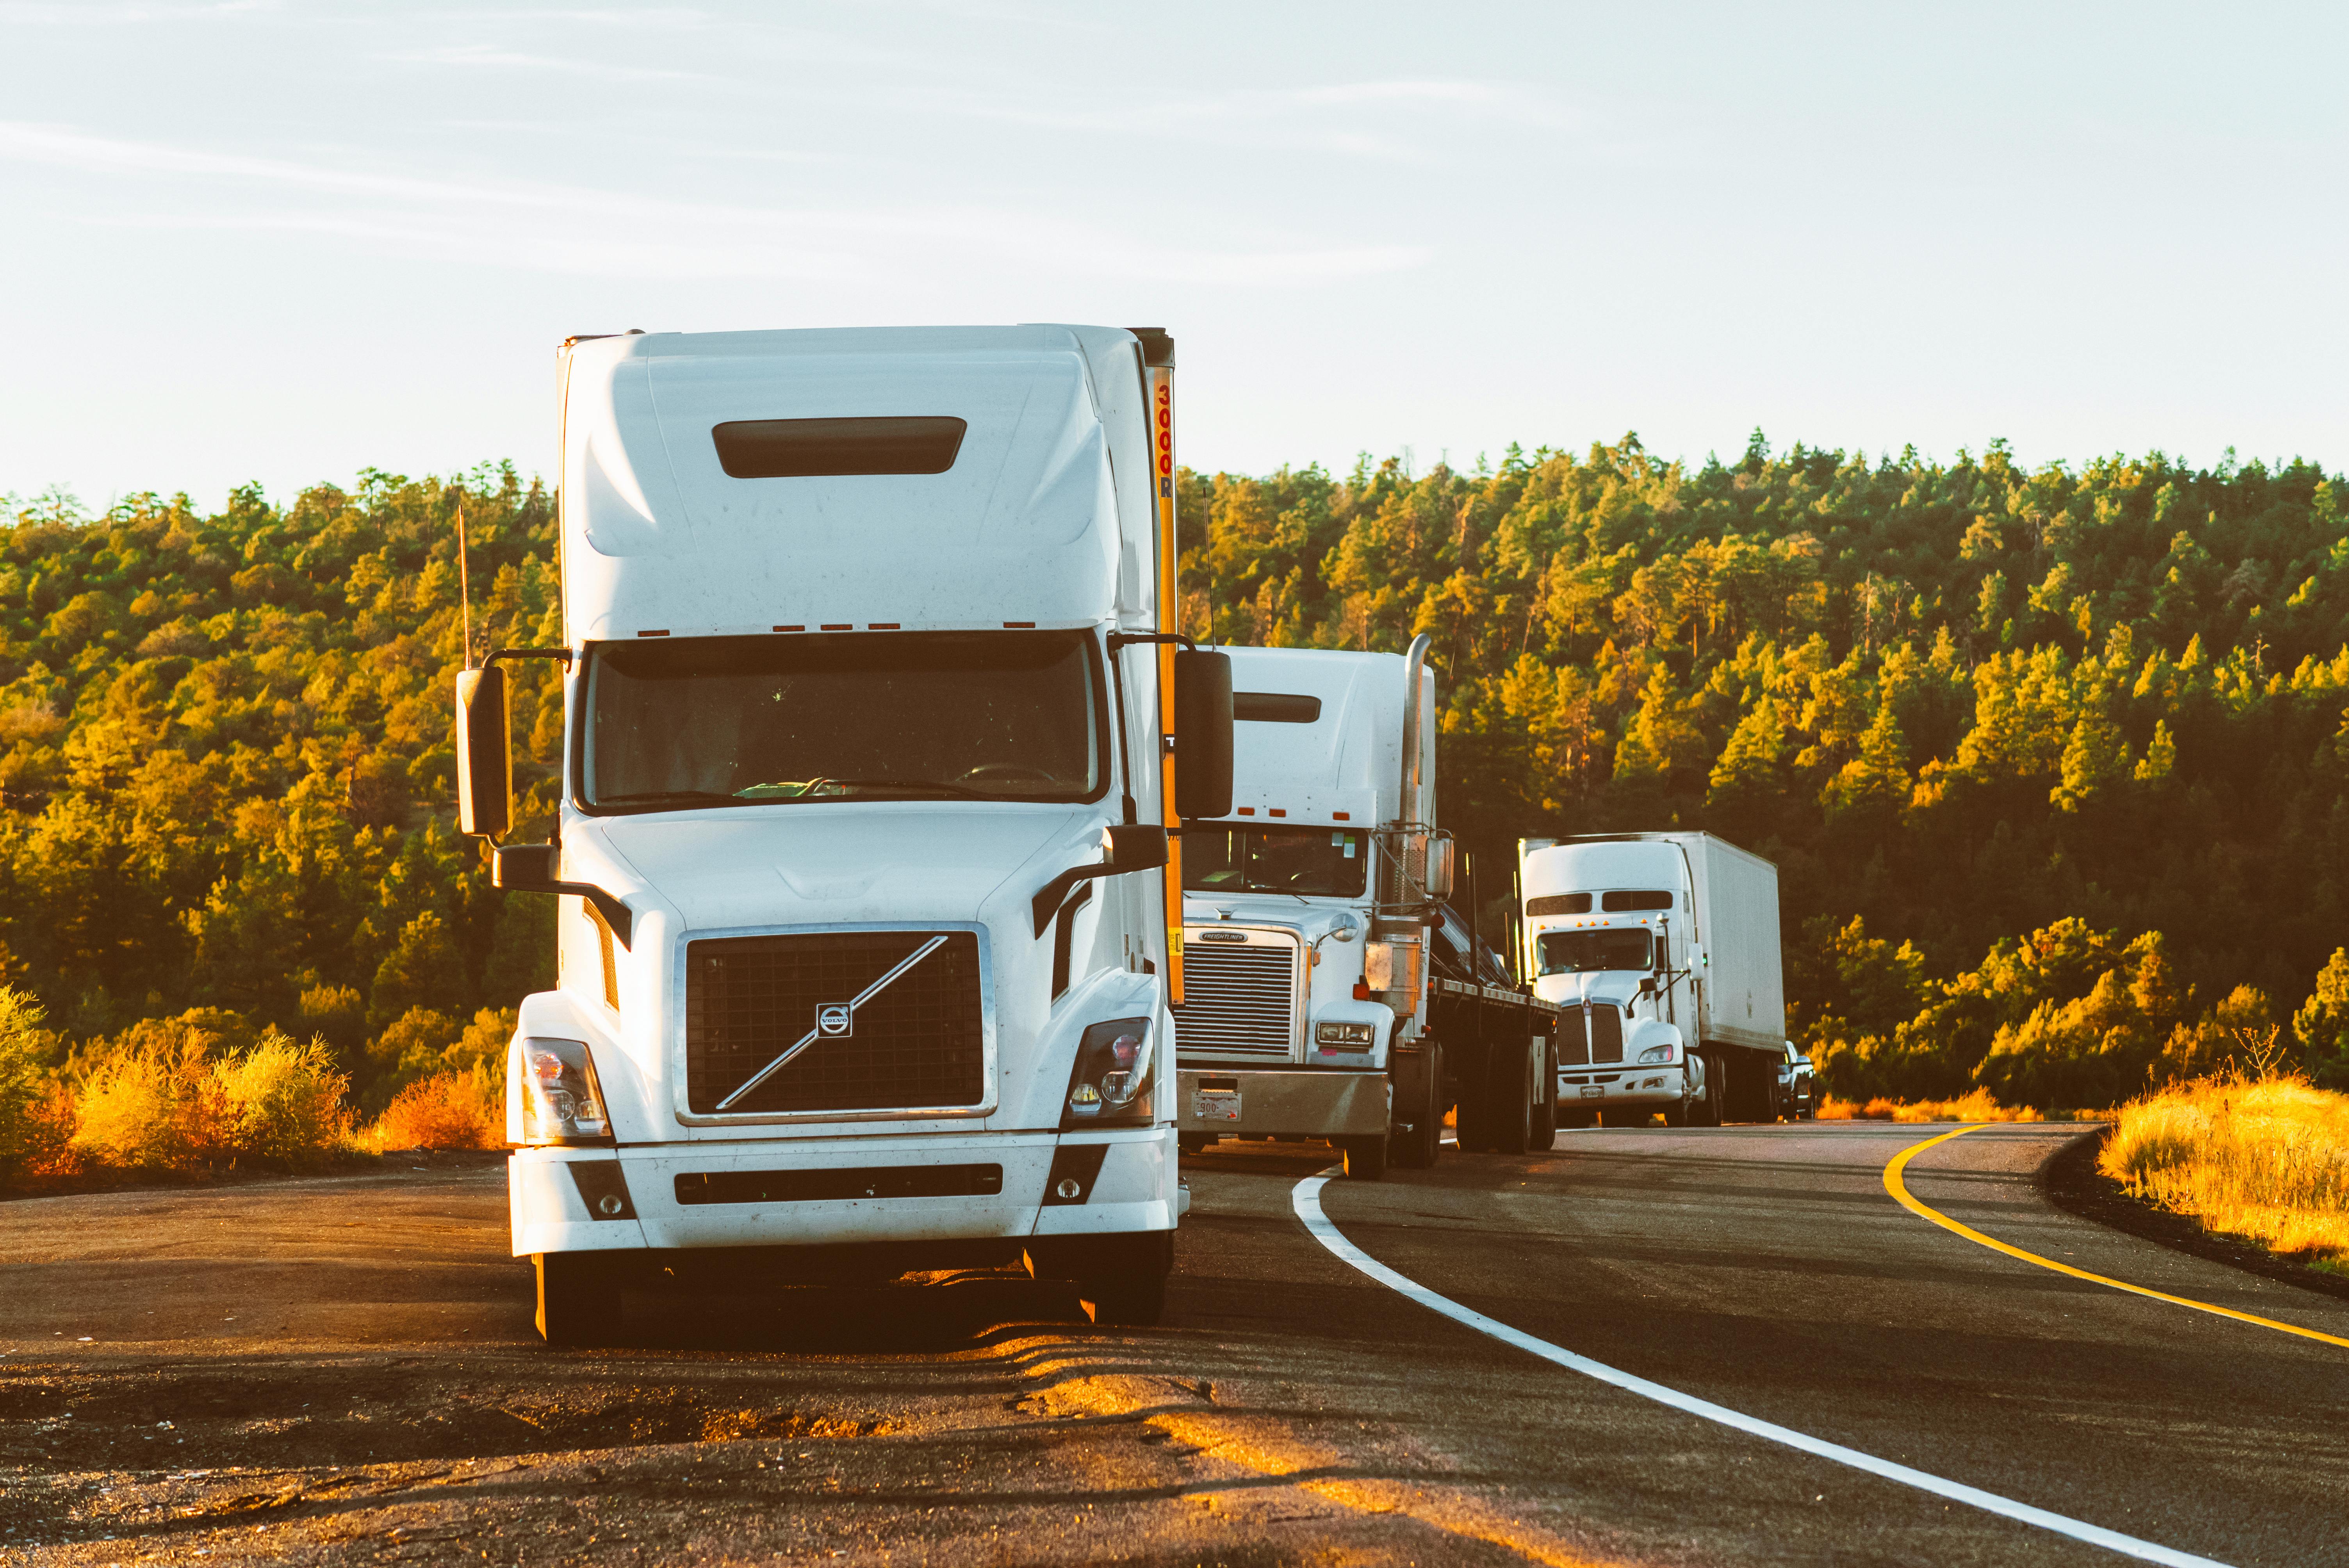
(1594, 1090)
(1216, 1105)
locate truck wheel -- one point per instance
(1416, 1150)
(1133, 1293)
(579, 1299)
(1545, 1092)
(1705, 1110)
(1366, 1158)
(1509, 1099)
(1677, 1114)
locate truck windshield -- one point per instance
(1318, 862)
(1583, 952)
(755, 721)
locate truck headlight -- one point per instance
(1111, 1080)
(1657, 1054)
(1347, 1036)
(561, 1101)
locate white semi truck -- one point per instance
(869, 919)
(1329, 993)
(1663, 949)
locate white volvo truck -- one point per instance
(1663, 949)
(865, 885)
(1329, 993)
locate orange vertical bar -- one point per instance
(1170, 618)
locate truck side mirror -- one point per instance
(1203, 734)
(1135, 847)
(1127, 847)
(484, 763)
(1439, 868)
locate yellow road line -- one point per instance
(1900, 1191)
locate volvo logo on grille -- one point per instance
(835, 1021)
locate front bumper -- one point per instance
(600, 1200)
(1281, 1102)
(1598, 1089)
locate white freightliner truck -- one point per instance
(1329, 992)
(1663, 950)
(862, 853)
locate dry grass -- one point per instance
(448, 1111)
(2267, 1159)
(1977, 1105)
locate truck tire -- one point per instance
(579, 1299)
(1677, 1114)
(1131, 1292)
(1545, 1092)
(1365, 1157)
(1417, 1150)
(1705, 1111)
(1509, 1099)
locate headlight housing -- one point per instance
(1346, 1036)
(1110, 1084)
(1656, 1054)
(561, 1101)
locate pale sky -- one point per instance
(283, 241)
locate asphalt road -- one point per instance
(343, 1370)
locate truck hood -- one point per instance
(1613, 987)
(1256, 908)
(843, 864)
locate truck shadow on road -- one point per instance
(921, 1314)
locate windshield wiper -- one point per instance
(800, 789)
(645, 797)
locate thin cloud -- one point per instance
(572, 229)
(484, 56)
(96, 14)
(1319, 118)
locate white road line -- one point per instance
(1306, 1200)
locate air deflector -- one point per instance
(818, 449)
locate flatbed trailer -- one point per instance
(1491, 1048)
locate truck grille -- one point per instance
(917, 1044)
(1582, 1043)
(1237, 999)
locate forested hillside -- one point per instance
(226, 768)
(2054, 762)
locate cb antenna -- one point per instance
(464, 586)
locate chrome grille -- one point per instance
(1237, 999)
(917, 1044)
(1599, 1040)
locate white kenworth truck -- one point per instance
(1663, 950)
(869, 921)
(1329, 992)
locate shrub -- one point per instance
(285, 1100)
(164, 1094)
(410, 1050)
(159, 1109)
(28, 1054)
(464, 1110)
